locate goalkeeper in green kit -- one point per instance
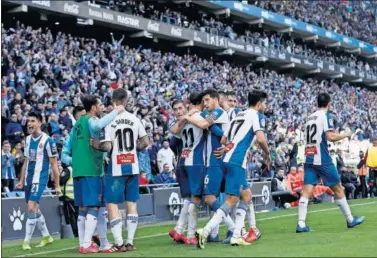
(87, 166)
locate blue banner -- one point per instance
(295, 24)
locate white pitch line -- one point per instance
(164, 234)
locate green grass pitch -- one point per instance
(331, 238)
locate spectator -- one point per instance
(349, 181)
(362, 173)
(279, 189)
(165, 156)
(339, 161)
(143, 180)
(153, 150)
(166, 176)
(8, 172)
(293, 153)
(13, 130)
(18, 154)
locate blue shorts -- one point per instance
(33, 192)
(328, 173)
(182, 179)
(235, 179)
(196, 176)
(212, 182)
(88, 191)
(119, 189)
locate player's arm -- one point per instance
(199, 121)
(143, 143)
(97, 125)
(177, 127)
(52, 153)
(329, 129)
(258, 127)
(105, 142)
(21, 182)
(216, 130)
(67, 150)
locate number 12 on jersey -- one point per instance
(311, 140)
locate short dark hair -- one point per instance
(195, 98)
(231, 93)
(323, 99)
(89, 101)
(255, 96)
(212, 93)
(119, 94)
(76, 110)
(36, 115)
(222, 93)
(176, 102)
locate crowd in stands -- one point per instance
(50, 73)
(352, 18)
(189, 16)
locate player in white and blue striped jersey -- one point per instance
(40, 156)
(216, 121)
(123, 138)
(246, 127)
(318, 163)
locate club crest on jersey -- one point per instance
(263, 122)
(331, 122)
(40, 146)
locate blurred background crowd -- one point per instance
(48, 71)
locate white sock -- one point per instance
(215, 230)
(302, 211)
(116, 230)
(132, 220)
(183, 217)
(229, 223)
(216, 220)
(240, 222)
(345, 208)
(30, 226)
(41, 223)
(102, 227)
(251, 216)
(90, 227)
(81, 229)
(193, 211)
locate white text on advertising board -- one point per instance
(176, 31)
(71, 8)
(154, 26)
(101, 15)
(44, 3)
(236, 46)
(128, 21)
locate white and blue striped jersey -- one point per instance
(241, 136)
(232, 112)
(124, 132)
(316, 146)
(193, 140)
(220, 118)
(38, 151)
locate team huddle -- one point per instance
(216, 138)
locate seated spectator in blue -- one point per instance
(54, 128)
(65, 120)
(8, 172)
(166, 176)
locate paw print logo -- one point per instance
(174, 203)
(16, 218)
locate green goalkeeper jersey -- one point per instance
(86, 161)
